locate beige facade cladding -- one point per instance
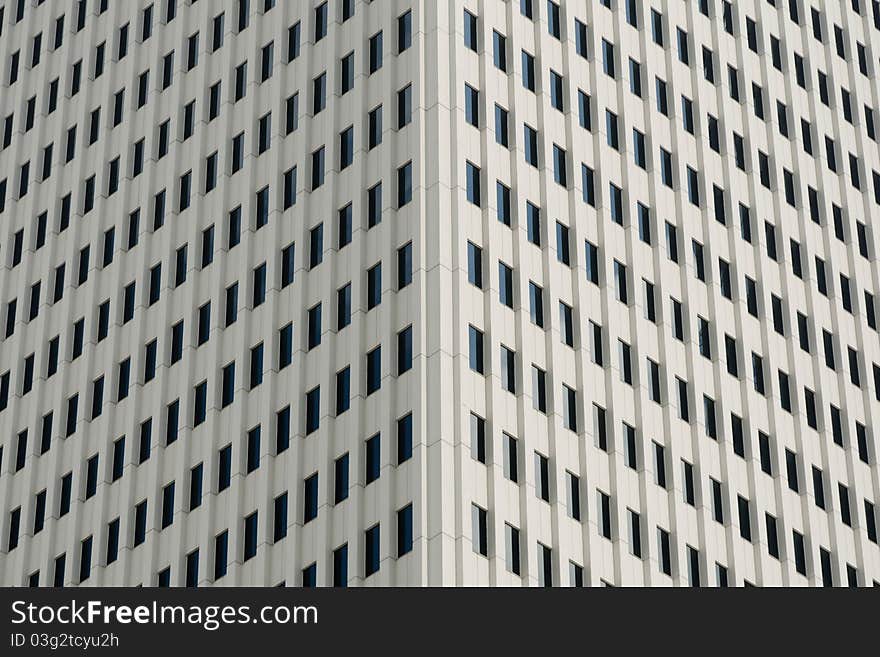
(403, 293)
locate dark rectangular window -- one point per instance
(340, 479)
(112, 541)
(404, 530)
(146, 438)
(404, 350)
(167, 505)
(310, 498)
(404, 438)
(372, 459)
(195, 486)
(118, 458)
(253, 449)
(140, 522)
(224, 468)
(280, 518)
(282, 429)
(340, 562)
(250, 536)
(371, 551)
(313, 409)
(256, 373)
(404, 31)
(221, 549)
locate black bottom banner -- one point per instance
(110, 621)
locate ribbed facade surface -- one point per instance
(468, 292)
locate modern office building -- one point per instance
(465, 292)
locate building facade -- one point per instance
(401, 293)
